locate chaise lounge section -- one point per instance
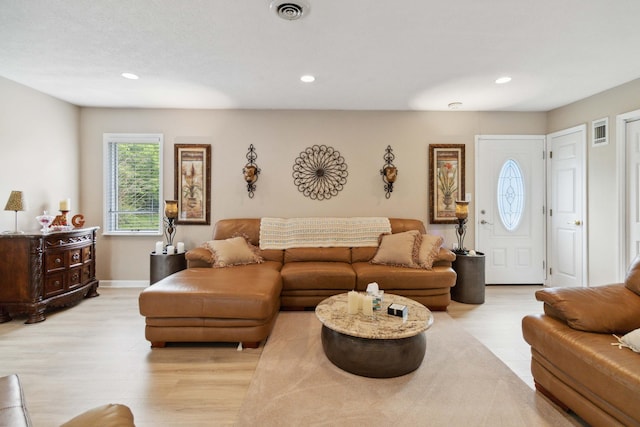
(241, 303)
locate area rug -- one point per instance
(460, 383)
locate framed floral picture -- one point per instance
(192, 175)
(446, 181)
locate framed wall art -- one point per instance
(192, 174)
(446, 181)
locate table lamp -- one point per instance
(171, 214)
(462, 212)
(15, 203)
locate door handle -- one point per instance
(485, 222)
(575, 222)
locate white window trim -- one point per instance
(128, 137)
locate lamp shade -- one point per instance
(462, 209)
(171, 209)
(15, 202)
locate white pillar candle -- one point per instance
(159, 248)
(352, 302)
(180, 247)
(65, 205)
(170, 250)
(367, 306)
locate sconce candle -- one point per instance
(171, 213)
(462, 209)
(389, 172)
(171, 209)
(462, 212)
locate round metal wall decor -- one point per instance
(320, 172)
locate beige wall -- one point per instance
(279, 137)
(47, 157)
(39, 141)
(603, 192)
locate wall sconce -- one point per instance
(171, 214)
(251, 171)
(389, 172)
(15, 203)
(462, 212)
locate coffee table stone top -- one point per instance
(332, 312)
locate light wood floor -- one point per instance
(95, 353)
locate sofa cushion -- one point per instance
(391, 278)
(244, 292)
(317, 254)
(429, 249)
(632, 279)
(318, 275)
(232, 251)
(605, 309)
(400, 249)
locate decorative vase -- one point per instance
(447, 200)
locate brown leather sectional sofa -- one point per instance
(572, 359)
(241, 303)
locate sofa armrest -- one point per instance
(13, 410)
(110, 415)
(199, 257)
(604, 309)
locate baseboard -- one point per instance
(124, 283)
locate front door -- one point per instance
(566, 250)
(510, 226)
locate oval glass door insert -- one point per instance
(510, 194)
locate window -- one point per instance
(510, 194)
(133, 183)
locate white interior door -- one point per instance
(510, 187)
(633, 190)
(566, 250)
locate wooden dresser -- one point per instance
(38, 271)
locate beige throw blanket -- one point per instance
(285, 233)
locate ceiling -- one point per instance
(365, 54)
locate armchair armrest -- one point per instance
(604, 309)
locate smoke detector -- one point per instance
(289, 11)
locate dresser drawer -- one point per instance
(74, 257)
(54, 261)
(53, 284)
(74, 277)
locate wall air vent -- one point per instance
(600, 132)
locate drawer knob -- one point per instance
(58, 260)
(76, 256)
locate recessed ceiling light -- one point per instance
(307, 78)
(503, 80)
(130, 76)
(455, 105)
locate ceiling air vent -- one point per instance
(289, 10)
(600, 132)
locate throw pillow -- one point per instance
(632, 279)
(399, 249)
(429, 250)
(630, 340)
(604, 309)
(232, 251)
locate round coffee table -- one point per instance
(378, 346)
